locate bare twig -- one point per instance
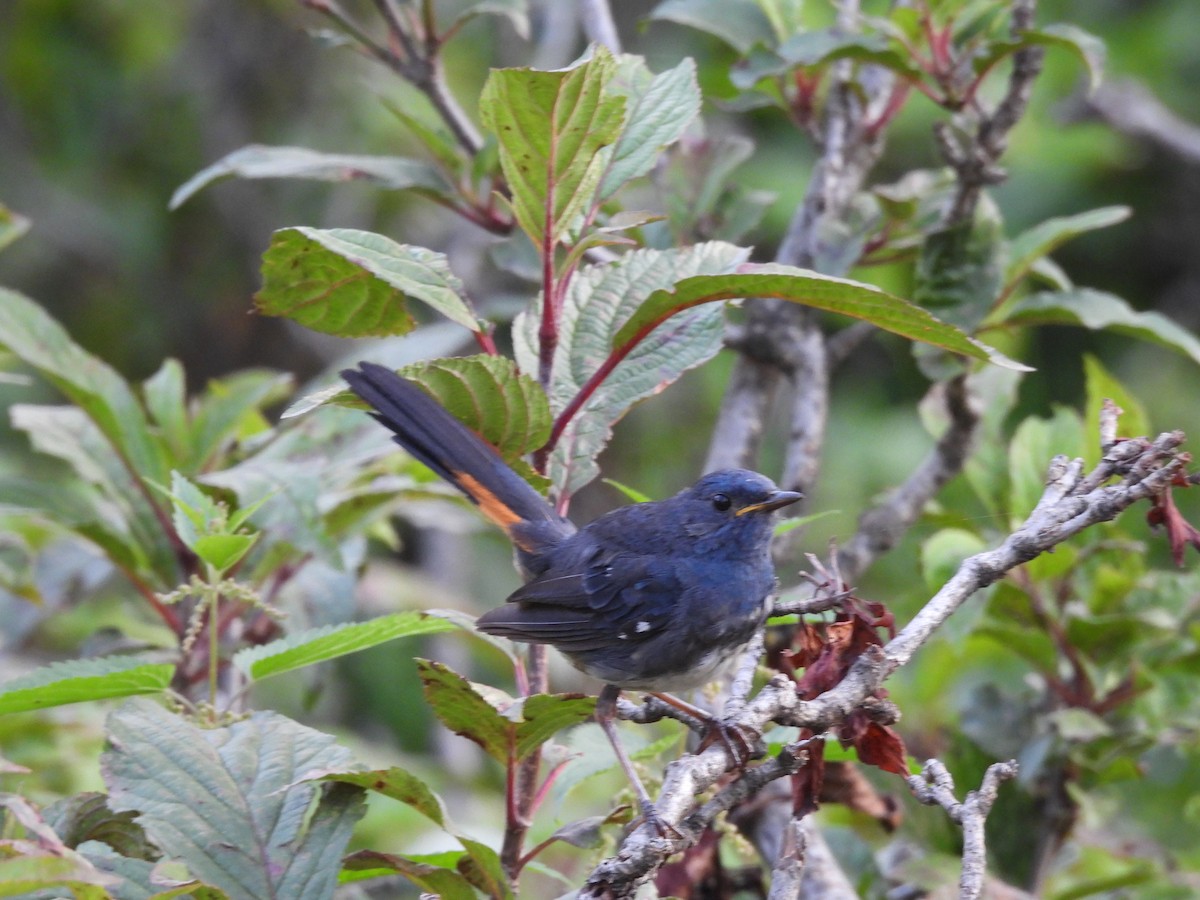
(784, 339)
(598, 24)
(1129, 107)
(1070, 503)
(788, 871)
(881, 527)
(935, 787)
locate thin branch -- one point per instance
(788, 872)
(881, 527)
(598, 24)
(1129, 107)
(1070, 503)
(935, 787)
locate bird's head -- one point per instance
(733, 504)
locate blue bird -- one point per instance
(659, 596)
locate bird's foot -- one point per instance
(741, 743)
(661, 826)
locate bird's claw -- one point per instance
(661, 826)
(740, 742)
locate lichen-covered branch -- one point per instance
(935, 787)
(1130, 471)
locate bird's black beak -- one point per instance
(774, 500)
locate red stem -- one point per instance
(589, 388)
(486, 342)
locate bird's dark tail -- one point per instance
(424, 428)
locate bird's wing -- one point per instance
(615, 596)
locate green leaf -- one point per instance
(12, 226)
(39, 341)
(355, 283)
(821, 47)
(28, 875)
(551, 127)
(437, 139)
(317, 645)
(435, 879)
(85, 679)
(482, 867)
(1041, 240)
(960, 268)
(628, 492)
(1089, 48)
(229, 409)
(165, 393)
(225, 801)
(739, 23)
(659, 109)
(1098, 310)
(541, 716)
(1036, 442)
(600, 301)
(86, 817)
(258, 161)
(486, 393)
(223, 551)
(839, 295)
(395, 783)
(462, 708)
(1102, 385)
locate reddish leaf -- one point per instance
(1180, 532)
(807, 783)
(877, 745)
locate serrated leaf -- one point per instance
(658, 109)
(86, 817)
(1098, 311)
(486, 393)
(33, 336)
(838, 295)
(600, 301)
(85, 679)
(551, 127)
(223, 551)
(739, 23)
(25, 876)
(543, 715)
(464, 710)
(960, 268)
(259, 161)
(1042, 239)
(466, 622)
(12, 226)
(224, 800)
(356, 283)
(306, 648)
(395, 783)
(436, 879)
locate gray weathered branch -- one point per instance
(1130, 471)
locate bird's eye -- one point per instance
(721, 502)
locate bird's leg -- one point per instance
(737, 743)
(606, 713)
